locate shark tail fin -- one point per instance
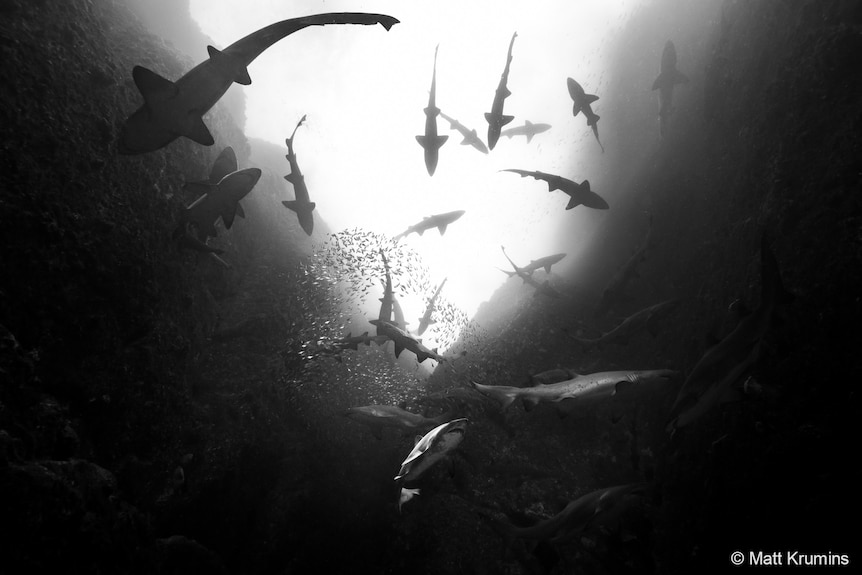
(503, 394)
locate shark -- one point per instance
(593, 508)
(224, 164)
(301, 204)
(582, 103)
(582, 387)
(386, 302)
(434, 446)
(668, 77)
(645, 319)
(354, 341)
(614, 290)
(439, 221)
(714, 378)
(404, 340)
(174, 109)
(495, 118)
(217, 200)
(471, 137)
(579, 194)
(541, 288)
(426, 320)
(543, 262)
(430, 141)
(376, 417)
(529, 130)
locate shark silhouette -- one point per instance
(302, 204)
(431, 142)
(579, 194)
(471, 137)
(495, 118)
(582, 103)
(426, 320)
(668, 77)
(439, 221)
(219, 200)
(529, 130)
(174, 109)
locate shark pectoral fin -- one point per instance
(442, 228)
(489, 117)
(441, 140)
(291, 205)
(466, 141)
(228, 215)
(311, 206)
(198, 132)
(398, 348)
(506, 119)
(590, 98)
(153, 88)
(221, 59)
(422, 140)
(239, 211)
(573, 201)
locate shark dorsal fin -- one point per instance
(153, 88)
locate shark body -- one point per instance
(582, 103)
(645, 319)
(376, 417)
(430, 141)
(596, 385)
(712, 380)
(219, 200)
(354, 341)
(528, 130)
(668, 77)
(579, 194)
(432, 448)
(495, 118)
(439, 221)
(471, 137)
(301, 204)
(541, 288)
(426, 320)
(174, 109)
(404, 340)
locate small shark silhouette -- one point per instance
(301, 204)
(582, 103)
(426, 320)
(173, 109)
(403, 340)
(439, 221)
(431, 142)
(615, 289)
(668, 77)
(541, 288)
(471, 137)
(495, 118)
(544, 262)
(579, 194)
(645, 319)
(529, 130)
(225, 164)
(354, 341)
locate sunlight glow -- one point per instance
(364, 89)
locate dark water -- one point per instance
(160, 412)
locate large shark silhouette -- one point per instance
(431, 142)
(579, 194)
(174, 109)
(302, 204)
(496, 119)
